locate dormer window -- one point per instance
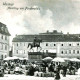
(6, 30)
(2, 28)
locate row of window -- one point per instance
(47, 44)
(3, 37)
(3, 56)
(19, 44)
(3, 47)
(24, 51)
(77, 44)
(62, 52)
(70, 51)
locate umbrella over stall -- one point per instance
(15, 57)
(8, 58)
(75, 60)
(47, 59)
(66, 59)
(58, 59)
(11, 58)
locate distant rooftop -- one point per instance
(55, 32)
(3, 29)
(49, 37)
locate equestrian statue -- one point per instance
(36, 43)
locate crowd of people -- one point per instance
(22, 67)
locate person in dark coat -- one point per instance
(31, 70)
(44, 65)
(64, 71)
(57, 75)
(71, 69)
(59, 67)
(51, 68)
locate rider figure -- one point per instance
(34, 41)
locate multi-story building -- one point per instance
(4, 41)
(54, 43)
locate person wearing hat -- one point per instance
(34, 41)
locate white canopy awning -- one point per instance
(75, 60)
(8, 58)
(66, 59)
(58, 59)
(47, 58)
(11, 58)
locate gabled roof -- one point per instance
(3, 29)
(47, 38)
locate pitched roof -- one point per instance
(3, 29)
(47, 38)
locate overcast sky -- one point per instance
(61, 15)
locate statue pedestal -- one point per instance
(35, 56)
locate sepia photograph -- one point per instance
(39, 39)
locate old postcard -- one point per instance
(39, 39)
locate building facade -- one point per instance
(63, 45)
(4, 41)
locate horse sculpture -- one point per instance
(37, 44)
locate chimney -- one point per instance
(67, 33)
(54, 31)
(16, 34)
(47, 31)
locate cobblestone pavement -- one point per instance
(23, 77)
